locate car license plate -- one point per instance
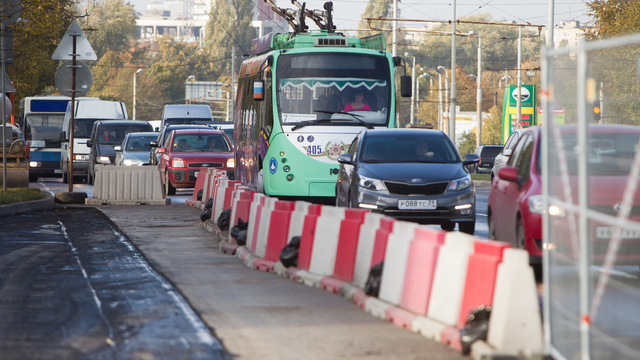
(417, 204)
(57, 171)
(606, 232)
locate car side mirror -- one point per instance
(63, 136)
(153, 143)
(161, 150)
(507, 152)
(470, 159)
(405, 86)
(89, 143)
(117, 148)
(345, 159)
(509, 173)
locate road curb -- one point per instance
(28, 207)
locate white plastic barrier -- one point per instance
(515, 326)
(448, 281)
(325, 244)
(395, 261)
(218, 201)
(127, 185)
(297, 219)
(366, 240)
(263, 230)
(253, 215)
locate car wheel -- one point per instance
(492, 227)
(467, 227)
(78, 179)
(520, 234)
(448, 226)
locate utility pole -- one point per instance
(394, 46)
(479, 94)
(452, 112)
(550, 26)
(519, 77)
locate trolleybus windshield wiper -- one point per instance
(356, 117)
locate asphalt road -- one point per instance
(73, 287)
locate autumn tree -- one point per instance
(375, 8)
(114, 22)
(229, 25)
(37, 35)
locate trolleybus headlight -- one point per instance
(34, 164)
(103, 160)
(286, 168)
(231, 163)
(178, 162)
(282, 153)
(289, 177)
(78, 157)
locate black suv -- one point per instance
(162, 136)
(487, 154)
(106, 134)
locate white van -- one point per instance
(186, 114)
(86, 113)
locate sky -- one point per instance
(347, 12)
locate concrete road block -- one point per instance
(128, 185)
(421, 268)
(395, 261)
(366, 240)
(515, 326)
(448, 282)
(323, 256)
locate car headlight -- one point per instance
(178, 162)
(371, 184)
(231, 163)
(132, 162)
(535, 204)
(103, 160)
(78, 157)
(460, 184)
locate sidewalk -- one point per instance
(258, 315)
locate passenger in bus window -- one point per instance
(357, 104)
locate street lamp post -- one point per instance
(134, 92)
(413, 87)
(479, 92)
(418, 88)
(446, 98)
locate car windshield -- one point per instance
(140, 143)
(609, 153)
(173, 121)
(114, 134)
(200, 142)
(491, 152)
(408, 148)
(320, 86)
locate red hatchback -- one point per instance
(184, 152)
(515, 201)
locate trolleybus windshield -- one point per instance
(323, 86)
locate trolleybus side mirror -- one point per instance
(405, 86)
(89, 143)
(258, 90)
(63, 136)
(397, 60)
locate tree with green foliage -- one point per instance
(613, 18)
(36, 36)
(467, 143)
(115, 24)
(229, 25)
(375, 8)
(492, 127)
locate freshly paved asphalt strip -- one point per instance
(258, 315)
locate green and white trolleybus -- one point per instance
(302, 98)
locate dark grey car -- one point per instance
(410, 174)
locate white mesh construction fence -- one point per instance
(590, 168)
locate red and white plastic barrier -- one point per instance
(254, 219)
(297, 219)
(366, 240)
(323, 256)
(259, 246)
(307, 238)
(348, 244)
(395, 261)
